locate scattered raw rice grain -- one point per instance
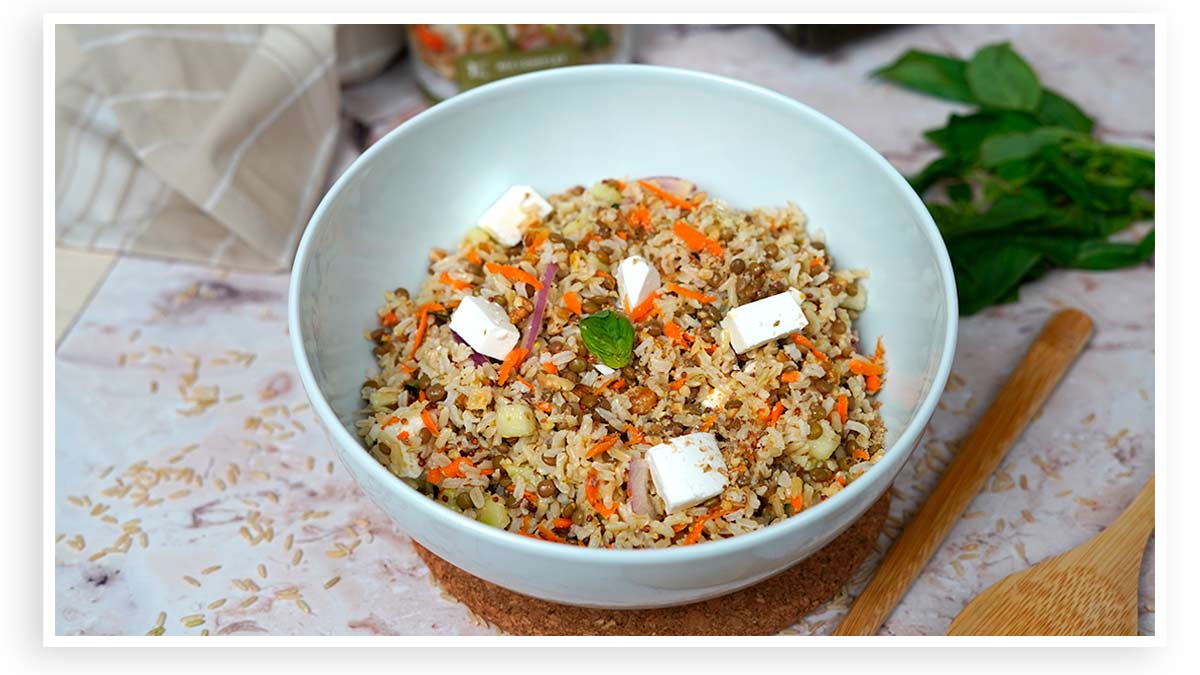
(210, 569)
(1025, 513)
(303, 606)
(248, 601)
(262, 570)
(98, 555)
(179, 494)
(143, 539)
(192, 580)
(193, 620)
(59, 537)
(332, 582)
(297, 556)
(287, 543)
(216, 603)
(310, 462)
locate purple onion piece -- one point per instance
(476, 358)
(673, 184)
(539, 307)
(639, 486)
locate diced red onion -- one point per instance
(673, 184)
(539, 307)
(639, 487)
(476, 358)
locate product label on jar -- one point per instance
(472, 70)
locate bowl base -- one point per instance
(765, 608)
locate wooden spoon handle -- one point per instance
(1044, 364)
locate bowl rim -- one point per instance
(443, 517)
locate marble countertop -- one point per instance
(196, 495)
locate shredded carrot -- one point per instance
(456, 284)
(698, 525)
(879, 351)
(454, 468)
(544, 406)
(528, 495)
(431, 40)
(639, 216)
(423, 322)
(860, 367)
(429, 422)
(622, 235)
(792, 376)
(667, 196)
(604, 444)
(678, 526)
(708, 422)
(573, 303)
(689, 293)
(389, 319)
(435, 476)
(859, 453)
(524, 382)
(816, 265)
(510, 361)
(514, 273)
(560, 523)
(696, 240)
(473, 256)
(390, 421)
(618, 385)
(797, 503)
(604, 385)
(843, 407)
(592, 490)
(549, 367)
(620, 184)
(402, 436)
(677, 384)
(602, 273)
(805, 342)
(635, 435)
(673, 331)
(775, 413)
(548, 535)
(431, 307)
(841, 480)
(408, 370)
(538, 239)
(873, 384)
(644, 308)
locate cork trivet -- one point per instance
(763, 609)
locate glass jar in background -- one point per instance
(449, 58)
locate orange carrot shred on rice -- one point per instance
(797, 503)
(635, 434)
(514, 273)
(841, 479)
(775, 413)
(639, 216)
(673, 331)
(423, 322)
(667, 196)
(592, 491)
(791, 376)
(435, 476)
(620, 184)
(879, 351)
(389, 319)
(698, 525)
(456, 284)
(816, 265)
(622, 235)
(708, 422)
(390, 421)
(538, 239)
(407, 369)
(678, 526)
(473, 256)
(402, 436)
(696, 240)
(843, 407)
(604, 444)
(560, 523)
(805, 342)
(604, 384)
(859, 453)
(422, 397)
(429, 422)
(524, 382)
(528, 495)
(618, 384)
(510, 361)
(644, 308)
(873, 384)
(547, 534)
(602, 273)
(573, 303)
(677, 385)
(549, 367)
(860, 367)
(544, 406)
(689, 293)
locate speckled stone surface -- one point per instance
(191, 478)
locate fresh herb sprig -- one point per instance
(608, 336)
(1024, 186)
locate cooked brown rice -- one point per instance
(768, 400)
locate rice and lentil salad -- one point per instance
(554, 434)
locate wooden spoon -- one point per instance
(1044, 365)
(1090, 590)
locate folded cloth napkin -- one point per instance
(207, 142)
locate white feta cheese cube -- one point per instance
(687, 470)
(485, 326)
(715, 398)
(507, 219)
(636, 280)
(757, 323)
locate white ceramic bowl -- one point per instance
(425, 183)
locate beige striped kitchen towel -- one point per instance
(203, 142)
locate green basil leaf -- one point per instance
(609, 337)
(1000, 78)
(964, 134)
(1058, 111)
(942, 167)
(1018, 145)
(987, 271)
(931, 74)
(1089, 254)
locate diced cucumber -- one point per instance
(606, 193)
(493, 513)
